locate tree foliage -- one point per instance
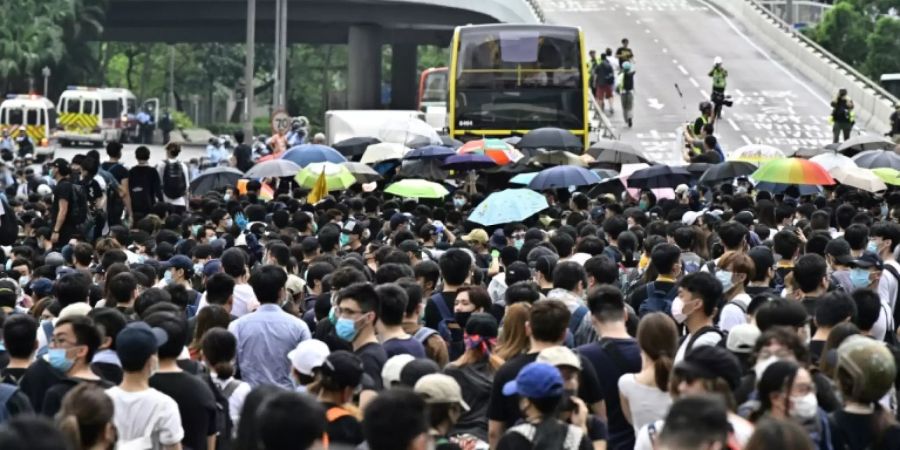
(884, 47)
(864, 34)
(843, 32)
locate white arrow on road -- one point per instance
(655, 104)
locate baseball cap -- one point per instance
(416, 369)
(390, 373)
(178, 262)
(711, 362)
(212, 267)
(839, 249)
(517, 271)
(410, 245)
(345, 368)
(308, 355)
(353, 227)
(74, 310)
(742, 338)
(867, 260)
(477, 235)
(744, 217)
(559, 356)
(482, 324)
(41, 286)
(498, 239)
(398, 219)
(440, 388)
(138, 341)
(54, 259)
(536, 380)
(294, 285)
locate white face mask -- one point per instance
(678, 310)
(761, 366)
(804, 407)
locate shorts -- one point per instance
(604, 91)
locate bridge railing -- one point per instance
(601, 126)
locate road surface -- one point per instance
(675, 42)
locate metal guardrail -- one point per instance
(600, 123)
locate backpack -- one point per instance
(333, 414)
(173, 180)
(6, 393)
(423, 334)
(701, 332)
(113, 197)
(447, 317)
(78, 207)
(224, 425)
(690, 266)
(577, 317)
(657, 300)
(571, 441)
(9, 226)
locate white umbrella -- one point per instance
(859, 178)
(756, 153)
(407, 131)
(832, 160)
(273, 168)
(384, 151)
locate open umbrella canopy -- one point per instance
(697, 169)
(355, 146)
(431, 152)
(606, 173)
(556, 158)
(337, 176)
(616, 152)
(792, 171)
(428, 169)
(523, 178)
(408, 131)
(726, 171)
(778, 188)
(831, 160)
(756, 153)
(362, 172)
(417, 188)
(888, 175)
(874, 159)
(273, 168)
(499, 151)
(550, 138)
(858, 177)
(510, 205)
(468, 162)
(220, 177)
(563, 177)
(865, 142)
(384, 151)
(655, 177)
(450, 142)
(306, 154)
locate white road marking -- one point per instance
(705, 95)
(789, 102)
(746, 139)
(733, 125)
(674, 61)
(647, 31)
(694, 82)
(682, 69)
(665, 50)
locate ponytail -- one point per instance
(224, 369)
(662, 370)
(69, 427)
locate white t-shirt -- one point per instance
(732, 314)
(244, 300)
(887, 286)
(161, 168)
(707, 338)
(647, 403)
(146, 419)
(236, 400)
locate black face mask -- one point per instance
(462, 318)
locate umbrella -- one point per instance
(778, 188)
(273, 168)
(629, 169)
(556, 158)
(501, 152)
(697, 169)
(523, 178)
(417, 188)
(613, 186)
(430, 151)
(429, 169)
(865, 142)
(756, 153)
(510, 205)
(513, 140)
(831, 160)
(873, 159)
(337, 177)
(362, 172)
(384, 151)
(859, 178)
(659, 177)
(551, 139)
(355, 146)
(450, 142)
(726, 171)
(616, 152)
(793, 171)
(605, 173)
(220, 177)
(405, 131)
(888, 175)
(563, 177)
(306, 154)
(468, 162)
(809, 152)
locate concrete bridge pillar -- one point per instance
(364, 67)
(404, 85)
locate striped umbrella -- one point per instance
(792, 171)
(501, 152)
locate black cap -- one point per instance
(517, 271)
(482, 324)
(868, 260)
(710, 362)
(744, 217)
(345, 368)
(309, 244)
(416, 369)
(353, 227)
(138, 341)
(839, 249)
(410, 245)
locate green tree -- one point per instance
(30, 36)
(843, 32)
(883, 48)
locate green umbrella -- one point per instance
(417, 188)
(337, 177)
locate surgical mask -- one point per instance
(167, 277)
(518, 243)
(724, 277)
(678, 310)
(9, 264)
(226, 197)
(229, 223)
(345, 329)
(462, 318)
(859, 278)
(195, 229)
(23, 280)
(643, 204)
(198, 268)
(345, 239)
(459, 202)
(332, 315)
(872, 247)
(760, 368)
(804, 407)
(58, 359)
(315, 227)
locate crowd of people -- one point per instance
(137, 315)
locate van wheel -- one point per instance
(63, 143)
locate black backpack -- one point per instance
(9, 225)
(173, 180)
(657, 300)
(224, 425)
(707, 329)
(78, 209)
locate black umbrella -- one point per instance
(726, 171)
(550, 139)
(655, 177)
(616, 152)
(355, 146)
(214, 179)
(428, 169)
(697, 169)
(609, 186)
(521, 166)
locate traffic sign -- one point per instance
(281, 122)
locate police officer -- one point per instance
(706, 110)
(842, 116)
(719, 78)
(895, 124)
(145, 126)
(24, 143)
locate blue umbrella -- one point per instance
(307, 154)
(563, 177)
(777, 188)
(430, 151)
(511, 205)
(523, 178)
(468, 161)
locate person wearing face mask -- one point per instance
(460, 199)
(75, 341)
(786, 391)
(352, 237)
(392, 300)
(445, 406)
(179, 270)
(340, 374)
(734, 272)
(695, 306)
(356, 316)
(884, 238)
(221, 220)
(137, 406)
(469, 300)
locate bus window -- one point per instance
(15, 116)
(111, 109)
(87, 107)
(32, 116)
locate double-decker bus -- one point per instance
(433, 88)
(505, 80)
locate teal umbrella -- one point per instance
(510, 205)
(523, 178)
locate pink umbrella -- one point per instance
(628, 169)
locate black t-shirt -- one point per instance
(54, 396)
(854, 432)
(516, 441)
(608, 368)
(344, 430)
(11, 376)
(63, 191)
(815, 350)
(243, 154)
(116, 169)
(196, 404)
(38, 378)
(144, 187)
(373, 358)
(432, 314)
(410, 346)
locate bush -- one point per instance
(260, 126)
(182, 120)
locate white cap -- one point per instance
(308, 355)
(690, 217)
(681, 189)
(559, 356)
(718, 60)
(75, 309)
(390, 373)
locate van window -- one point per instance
(15, 116)
(71, 105)
(111, 109)
(131, 107)
(33, 116)
(87, 107)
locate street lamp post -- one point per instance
(46, 73)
